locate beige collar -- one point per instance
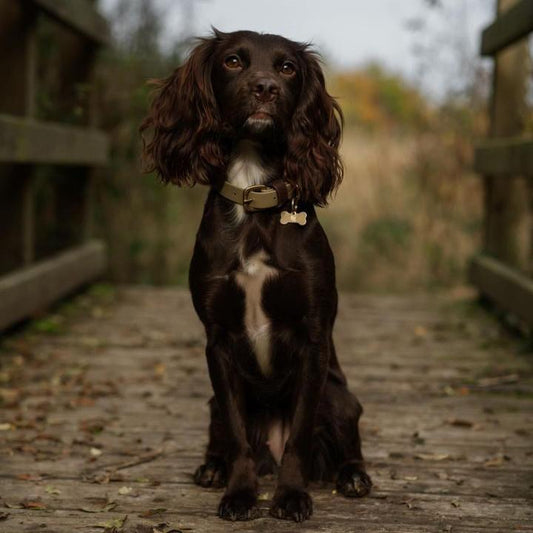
(258, 197)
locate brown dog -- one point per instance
(248, 114)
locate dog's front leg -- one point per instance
(291, 501)
(240, 497)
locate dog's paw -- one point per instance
(239, 505)
(212, 474)
(353, 482)
(291, 504)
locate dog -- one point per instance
(248, 115)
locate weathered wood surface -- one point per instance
(105, 416)
(29, 141)
(512, 290)
(504, 157)
(512, 25)
(32, 289)
(79, 15)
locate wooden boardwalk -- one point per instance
(104, 419)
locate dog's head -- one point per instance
(245, 85)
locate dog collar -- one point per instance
(258, 197)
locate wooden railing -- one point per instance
(503, 272)
(32, 279)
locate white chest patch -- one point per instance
(251, 278)
(245, 169)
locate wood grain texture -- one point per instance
(79, 15)
(32, 289)
(29, 141)
(447, 427)
(512, 290)
(511, 26)
(504, 157)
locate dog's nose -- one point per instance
(265, 89)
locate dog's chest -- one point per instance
(251, 277)
(244, 170)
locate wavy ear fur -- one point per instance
(312, 161)
(185, 146)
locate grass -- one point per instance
(406, 217)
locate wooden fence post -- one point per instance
(17, 97)
(508, 234)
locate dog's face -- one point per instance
(257, 81)
(246, 85)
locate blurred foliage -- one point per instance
(136, 212)
(409, 211)
(373, 98)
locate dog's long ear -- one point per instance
(312, 160)
(183, 123)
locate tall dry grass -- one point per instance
(407, 215)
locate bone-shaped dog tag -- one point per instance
(293, 218)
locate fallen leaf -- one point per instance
(125, 490)
(420, 331)
(498, 460)
(152, 512)
(432, 456)
(96, 452)
(105, 505)
(6, 426)
(459, 422)
(9, 397)
(32, 504)
(29, 477)
(159, 370)
(93, 426)
(51, 490)
(113, 524)
(417, 440)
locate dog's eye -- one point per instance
(288, 68)
(233, 62)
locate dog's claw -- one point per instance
(353, 482)
(292, 504)
(238, 506)
(211, 474)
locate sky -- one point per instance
(350, 33)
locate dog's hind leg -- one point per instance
(337, 445)
(213, 473)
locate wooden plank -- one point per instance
(28, 141)
(78, 15)
(504, 157)
(511, 26)
(507, 287)
(507, 215)
(32, 289)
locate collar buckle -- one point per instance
(247, 201)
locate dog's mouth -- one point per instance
(260, 120)
(259, 123)
(261, 115)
